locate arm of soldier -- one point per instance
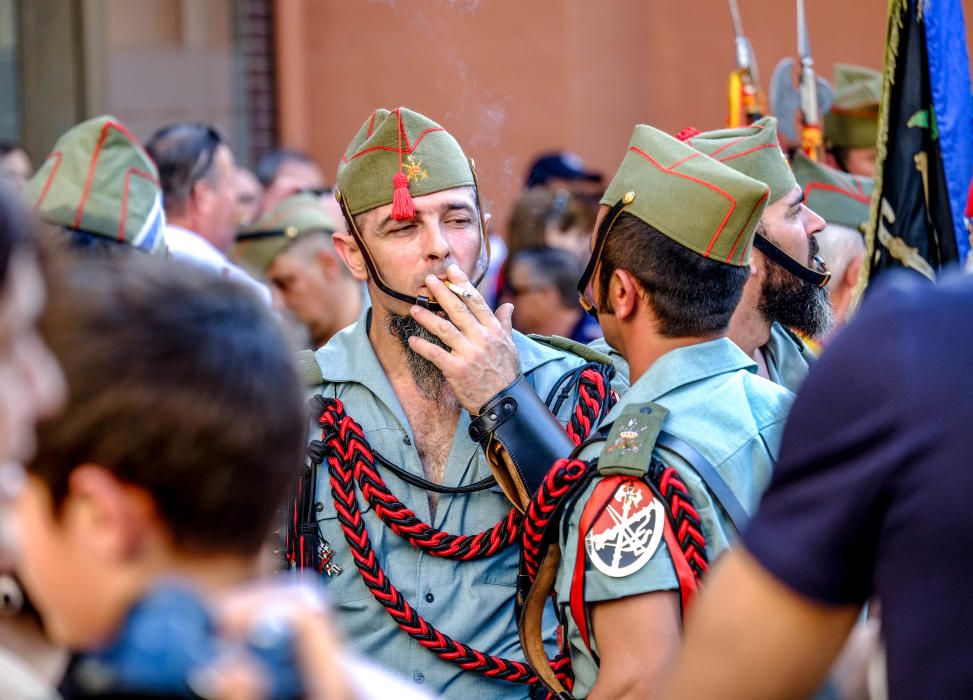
(746, 620)
(637, 637)
(483, 370)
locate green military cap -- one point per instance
(399, 154)
(752, 150)
(692, 199)
(837, 196)
(853, 119)
(100, 181)
(300, 214)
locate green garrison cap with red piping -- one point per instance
(835, 195)
(702, 205)
(299, 215)
(853, 119)
(752, 150)
(395, 156)
(99, 180)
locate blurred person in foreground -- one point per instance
(685, 454)
(843, 200)
(784, 301)
(31, 387)
(150, 497)
(197, 174)
(542, 286)
(875, 506)
(15, 165)
(291, 248)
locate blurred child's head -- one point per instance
(183, 430)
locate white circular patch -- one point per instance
(628, 532)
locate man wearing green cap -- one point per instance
(851, 127)
(101, 189)
(843, 200)
(291, 248)
(408, 391)
(785, 295)
(685, 454)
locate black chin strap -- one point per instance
(806, 274)
(482, 261)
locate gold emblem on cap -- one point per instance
(337, 195)
(628, 197)
(413, 169)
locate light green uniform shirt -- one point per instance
(471, 601)
(718, 405)
(788, 358)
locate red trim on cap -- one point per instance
(392, 149)
(748, 151)
(371, 123)
(94, 161)
(733, 202)
(863, 198)
(725, 146)
(680, 162)
(50, 178)
(123, 218)
(744, 228)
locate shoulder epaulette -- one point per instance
(309, 368)
(572, 346)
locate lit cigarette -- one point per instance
(459, 291)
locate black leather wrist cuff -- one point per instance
(530, 434)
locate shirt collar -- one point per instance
(682, 367)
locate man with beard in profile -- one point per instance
(426, 368)
(785, 305)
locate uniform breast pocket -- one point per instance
(347, 585)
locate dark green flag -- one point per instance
(911, 222)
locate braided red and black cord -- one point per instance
(350, 459)
(348, 450)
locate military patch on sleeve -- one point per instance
(627, 532)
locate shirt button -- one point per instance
(419, 678)
(406, 440)
(430, 597)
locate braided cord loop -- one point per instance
(350, 459)
(348, 448)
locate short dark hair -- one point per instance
(690, 295)
(538, 208)
(15, 229)
(270, 163)
(180, 383)
(555, 267)
(184, 153)
(8, 147)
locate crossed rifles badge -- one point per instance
(627, 532)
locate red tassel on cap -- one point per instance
(688, 133)
(402, 205)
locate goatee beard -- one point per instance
(428, 378)
(794, 303)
